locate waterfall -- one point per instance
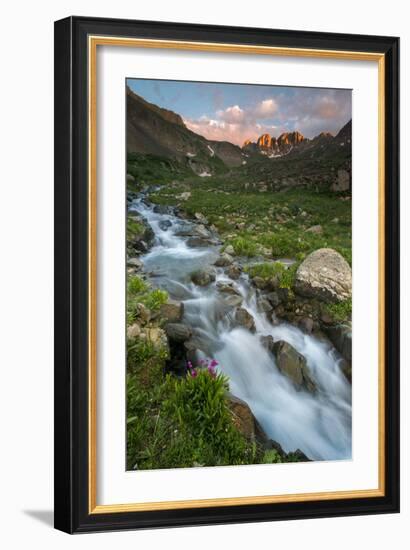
(319, 424)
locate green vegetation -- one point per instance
(340, 311)
(179, 422)
(251, 220)
(134, 229)
(152, 169)
(244, 246)
(140, 292)
(284, 274)
(271, 457)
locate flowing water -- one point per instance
(319, 424)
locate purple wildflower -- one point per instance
(189, 365)
(213, 363)
(193, 373)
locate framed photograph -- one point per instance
(226, 274)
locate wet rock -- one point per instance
(133, 331)
(242, 416)
(273, 298)
(315, 229)
(325, 275)
(234, 271)
(197, 242)
(244, 319)
(259, 282)
(130, 178)
(172, 311)
(341, 337)
(264, 305)
(163, 209)
(306, 324)
(230, 250)
(293, 365)
(202, 231)
(224, 260)
(297, 456)
(201, 218)
(165, 224)
(203, 277)
(267, 342)
(228, 288)
(178, 332)
(346, 368)
(232, 300)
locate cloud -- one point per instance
(310, 111)
(232, 115)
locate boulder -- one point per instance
(325, 275)
(244, 319)
(172, 311)
(267, 342)
(273, 298)
(142, 313)
(341, 337)
(197, 242)
(293, 365)
(130, 178)
(242, 417)
(135, 262)
(157, 337)
(315, 229)
(259, 282)
(342, 183)
(264, 305)
(306, 324)
(224, 260)
(227, 288)
(200, 217)
(232, 300)
(165, 224)
(178, 332)
(230, 250)
(203, 277)
(234, 271)
(133, 331)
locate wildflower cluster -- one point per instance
(204, 364)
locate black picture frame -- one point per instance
(72, 276)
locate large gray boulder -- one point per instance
(293, 365)
(325, 275)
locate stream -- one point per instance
(319, 424)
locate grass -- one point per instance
(175, 423)
(340, 311)
(284, 274)
(140, 292)
(277, 221)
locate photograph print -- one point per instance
(239, 274)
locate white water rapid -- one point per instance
(319, 424)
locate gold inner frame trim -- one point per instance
(93, 43)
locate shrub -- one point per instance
(244, 246)
(341, 311)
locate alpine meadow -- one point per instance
(239, 274)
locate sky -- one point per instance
(236, 112)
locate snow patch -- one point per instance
(191, 155)
(211, 151)
(204, 174)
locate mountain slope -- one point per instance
(157, 131)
